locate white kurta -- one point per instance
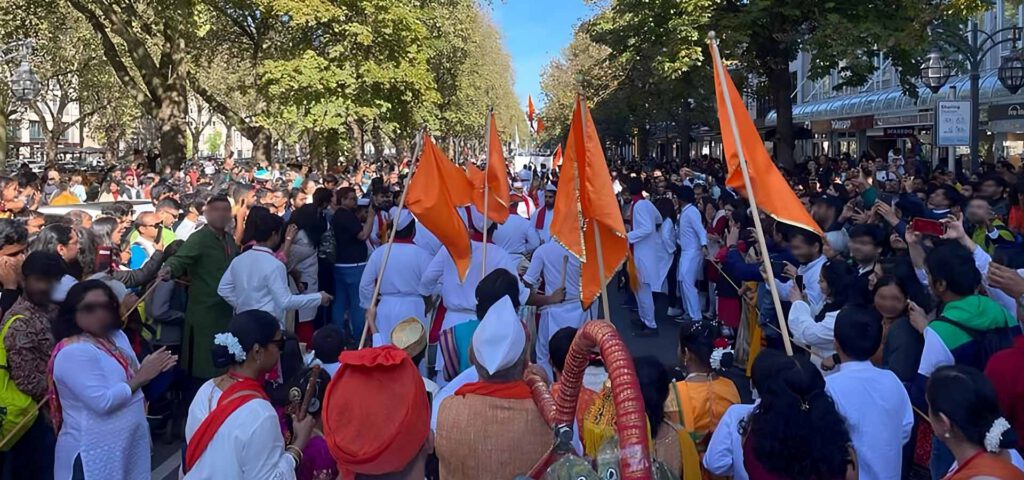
(459, 297)
(256, 280)
(302, 257)
(400, 296)
(546, 265)
(374, 238)
(104, 421)
(247, 445)
(517, 236)
(426, 240)
(545, 231)
(647, 249)
(527, 206)
(692, 237)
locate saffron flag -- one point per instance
(540, 125)
(556, 159)
(435, 191)
(771, 192)
(530, 112)
(585, 207)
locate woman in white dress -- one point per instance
(233, 431)
(97, 403)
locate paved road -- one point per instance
(167, 456)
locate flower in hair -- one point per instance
(721, 347)
(230, 342)
(994, 435)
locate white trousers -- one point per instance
(645, 305)
(689, 270)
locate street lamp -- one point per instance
(24, 83)
(935, 73)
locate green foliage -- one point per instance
(214, 141)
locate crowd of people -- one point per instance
(290, 323)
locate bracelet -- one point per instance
(295, 453)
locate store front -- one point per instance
(1006, 123)
(842, 135)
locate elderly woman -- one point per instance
(97, 403)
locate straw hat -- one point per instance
(410, 335)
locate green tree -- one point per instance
(214, 141)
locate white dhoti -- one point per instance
(392, 309)
(552, 319)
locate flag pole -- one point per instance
(394, 230)
(597, 231)
(765, 260)
(487, 189)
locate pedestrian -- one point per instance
(351, 255)
(648, 256)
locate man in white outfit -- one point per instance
(517, 236)
(400, 296)
(693, 240)
(541, 218)
(645, 242)
(547, 265)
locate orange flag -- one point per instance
(540, 125)
(556, 159)
(770, 190)
(436, 189)
(530, 112)
(497, 178)
(585, 205)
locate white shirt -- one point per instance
(247, 445)
(442, 277)
(527, 206)
(546, 265)
(187, 227)
(402, 273)
(878, 415)
(426, 240)
(517, 236)
(104, 421)
(820, 336)
(468, 375)
(725, 450)
(647, 248)
(257, 280)
(545, 231)
(692, 235)
(811, 272)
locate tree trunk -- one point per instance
(781, 89)
(113, 135)
(229, 140)
(355, 149)
(683, 127)
(643, 144)
(3, 138)
(377, 140)
(262, 144)
(51, 148)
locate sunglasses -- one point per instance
(90, 308)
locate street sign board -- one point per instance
(953, 123)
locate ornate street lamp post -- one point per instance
(973, 49)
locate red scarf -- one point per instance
(106, 346)
(517, 390)
(382, 228)
(238, 394)
(476, 236)
(541, 214)
(405, 240)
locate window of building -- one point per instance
(35, 131)
(14, 131)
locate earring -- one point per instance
(945, 435)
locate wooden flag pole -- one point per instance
(765, 260)
(487, 189)
(597, 231)
(394, 229)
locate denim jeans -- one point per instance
(346, 300)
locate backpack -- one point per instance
(988, 341)
(17, 410)
(326, 248)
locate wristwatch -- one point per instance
(836, 360)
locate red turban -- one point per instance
(376, 416)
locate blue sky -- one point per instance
(534, 32)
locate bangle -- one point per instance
(295, 453)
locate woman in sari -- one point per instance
(698, 402)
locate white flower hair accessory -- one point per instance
(231, 342)
(994, 436)
(721, 347)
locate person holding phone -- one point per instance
(149, 240)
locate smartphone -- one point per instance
(778, 267)
(799, 279)
(886, 198)
(925, 226)
(104, 259)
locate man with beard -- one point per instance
(204, 258)
(381, 218)
(541, 218)
(27, 343)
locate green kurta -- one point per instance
(203, 258)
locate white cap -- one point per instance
(517, 184)
(363, 202)
(499, 340)
(551, 187)
(402, 218)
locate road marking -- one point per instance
(169, 466)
